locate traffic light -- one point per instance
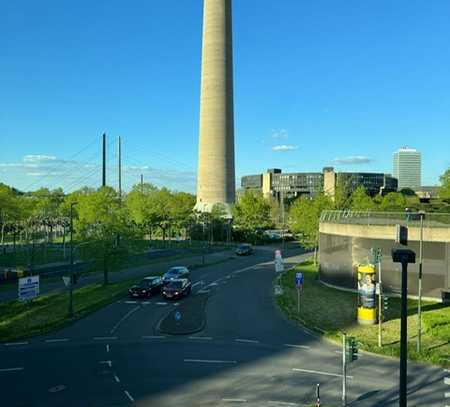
(385, 303)
(402, 235)
(352, 349)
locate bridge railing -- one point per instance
(431, 220)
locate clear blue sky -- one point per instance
(316, 83)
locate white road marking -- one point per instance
(106, 362)
(107, 348)
(161, 303)
(246, 340)
(234, 400)
(206, 338)
(447, 381)
(116, 378)
(16, 343)
(176, 304)
(212, 284)
(130, 302)
(129, 396)
(56, 340)
(319, 373)
(203, 292)
(12, 369)
(209, 361)
(104, 338)
(297, 346)
(197, 283)
(146, 302)
(447, 395)
(132, 311)
(153, 337)
(282, 403)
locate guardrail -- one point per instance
(431, 220)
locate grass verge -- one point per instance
(330, 312)
(49, 312)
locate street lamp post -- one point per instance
(71, 261)
(419, 288)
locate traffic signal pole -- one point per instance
(344, 370)
(380, 304)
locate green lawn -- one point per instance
(330, 312)
(48, 312)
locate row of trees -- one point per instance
(304, 214)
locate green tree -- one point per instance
(100, 219)
(393, 202)
(252, 212)
(444, 190)
(304, 218)
(361, 201)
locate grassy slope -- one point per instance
(332, 311)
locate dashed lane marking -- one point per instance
(57, 340)
(129, 396)
(116, 378)
(146, 302)
(203, 292)
(106, 362)
(246, 340)
(281, 403)
(197, 283)
(297, 346)
(16, 343)
(127, 315)
(209, 361)
(206, 338)
(234, 400)
(161, 303)
(104, 338)
(107, 348)
(153, 337)
(130, 302)
(12, 369)
(318, 372)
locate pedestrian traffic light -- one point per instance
(352, 349)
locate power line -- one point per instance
(61, 164)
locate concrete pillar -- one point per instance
(216, 173)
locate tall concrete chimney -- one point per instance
(216, 177)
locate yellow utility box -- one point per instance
(367, 308)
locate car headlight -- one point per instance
(144, 291)
(176, 293)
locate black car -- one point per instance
(146, 288)
(175, 273)
(244, 249)
(177, 288)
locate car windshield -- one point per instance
(145, 283)
(176, 284)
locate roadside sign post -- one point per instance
(279, 266)
(28, 288)
(299, 285)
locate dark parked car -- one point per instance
(244, 249)
(177, 288)
(146, 288)
(175, 273)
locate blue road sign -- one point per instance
(299, 280)
(177, 315)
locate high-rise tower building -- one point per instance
(216, 176)
(408, 168)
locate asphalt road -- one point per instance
(246, 354)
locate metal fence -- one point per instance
(431, 220)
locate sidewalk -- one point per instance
(48, 287)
